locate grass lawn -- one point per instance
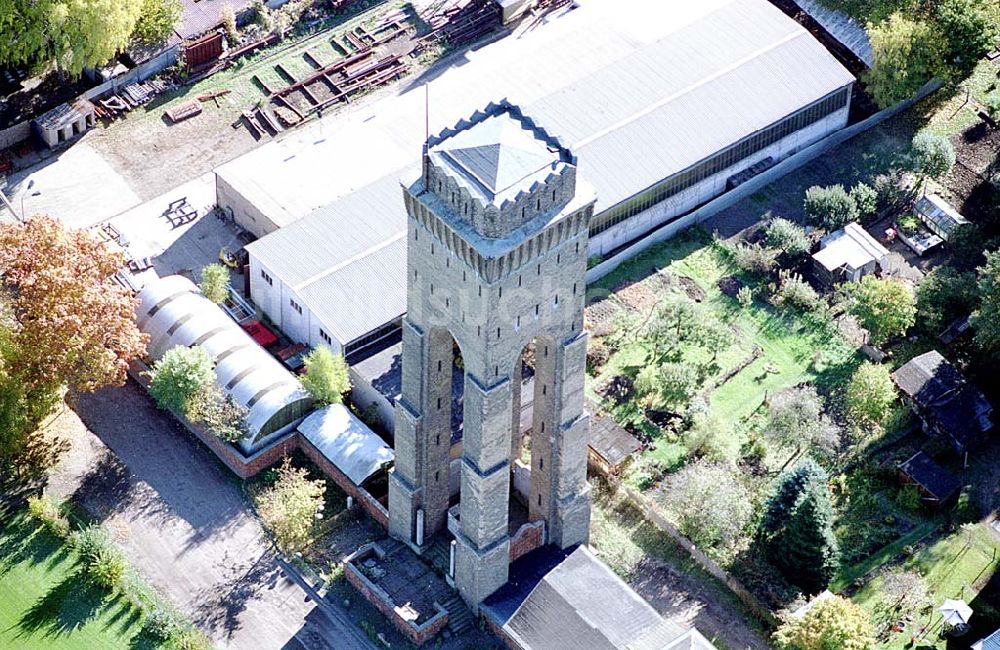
(795, 348)
(954, 566)
(45, 604)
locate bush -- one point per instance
(46, 511)
(179, 375)
(909, 498)
(754, 258)
(790, 238)
(830, 207)
(161, 624)
(107, 568)
(711, 438)
(965, 510)
(869, 396)
(886, 307)
(290, 506)
(215, 283)
(865, 199)
(745, 297)
(647, 472)
(709, 503)
(933, 155)
(795, 293)
(219, 413)
(890, 191)
(597, 355)
(90, 541)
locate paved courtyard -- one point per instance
(183, 522)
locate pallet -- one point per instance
(185, 111)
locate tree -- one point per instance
(326, 376)
(788, 237)
(944, 295)
(75, 324)
(829, 207)
(796, 419)
(290, 507)
(798, 528)
(76, 34)
(884, 306)
(987, 319)
(673, 322)
(908, 53)
(157, 20)
(668, 385)
(218, 412)
(969, 29)
(903, 590)
(713, 438)
(215, 283)
(64, 323)
(179, 376)
(933, 155)
(709, 504)
(870, 395)
(833, 623)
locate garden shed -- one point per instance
(610, 446)
(847, 255)
(355, 450)
(172, 311)
(937, 486)
(65, 122)
(947, 404)
(938, 215)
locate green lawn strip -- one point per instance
(954, 566)
(46, 602)
(888, 553)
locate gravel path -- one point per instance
(183, 522)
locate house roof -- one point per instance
(942, 395)
(850, 247)
(345, 441)
(992, 642)
(568, 600)
(611, 442)
(934, 479)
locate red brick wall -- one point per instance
(417, 635)
(527, 538)
(374, 509)
(498, 631)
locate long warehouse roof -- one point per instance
(638, 89)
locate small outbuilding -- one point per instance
(992, 642)
(947, 404)
(938, 487)
(611, 446)
(847, 255)
(938, 215)
(65, 122)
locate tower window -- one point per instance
(437, 476)
(574, 288)
(544, 391)
(498, 332)
(447, 263)
(439, 403)
(538, 204)
(541, 463)
(577, 248)
(500, 294)
(539, 499)
(553, 196)
(439, 365)
(480, 291)
(414, 274)
(496, 371)
(539, 269)
(432, 289)
(543, 427)
(432, 249)
(416, 235)
(536, 310)
(519, 280)
(555, 301)
(447, 302)
(463, 275)
(518, 325)
(479, 330)
(558, 257)
(437, 440)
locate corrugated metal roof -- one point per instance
(845, 29)
(345, 441)
(850, 247)
(679, 79)
(581, 603)
(173, 312)
(992, 642)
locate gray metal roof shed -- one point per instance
(345, 441)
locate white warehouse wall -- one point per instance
(685, 201)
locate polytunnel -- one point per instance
(172, 311)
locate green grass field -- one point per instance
(796, 348)
(45, 604)
(954, 566)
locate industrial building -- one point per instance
(665, 114)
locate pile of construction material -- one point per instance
(131, 96)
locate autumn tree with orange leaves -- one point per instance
(64, 323)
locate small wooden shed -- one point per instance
(610, 446)
(938, 487)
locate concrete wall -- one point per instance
(728, 199)
(14, 134)
(139, 73)
(244, 213)
(647, 221)
(364, 395)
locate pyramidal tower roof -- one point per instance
(498, 153)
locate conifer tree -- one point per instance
(798, 528)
